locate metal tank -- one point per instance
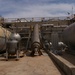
(15, 36)
(12, 49)
(35, 37)
(69, 37)
(13, 45)
(36, 45)
(61, 45)
(4, 36)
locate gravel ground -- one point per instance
(38, 65)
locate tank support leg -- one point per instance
(17, 53)
(6, 55)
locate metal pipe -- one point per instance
(36, 45)
(36, 37)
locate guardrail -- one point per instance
(36, 19)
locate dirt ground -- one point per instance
(38, 65)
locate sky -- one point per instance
(36, 8)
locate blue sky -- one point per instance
(36, 8)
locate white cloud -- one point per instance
(36, 10)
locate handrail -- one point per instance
(36, 19)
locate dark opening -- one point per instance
(8, 25)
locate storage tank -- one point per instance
(15, 36)
(4, 36)
(12, 46)
(69, 37)
(36, 43)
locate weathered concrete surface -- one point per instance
(38, 65)
(65, 65)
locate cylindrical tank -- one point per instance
(69, 36)
(12, 46)
(36, 36)
(4, 36)
(15, 36)
(36, 41)
(36, 33)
